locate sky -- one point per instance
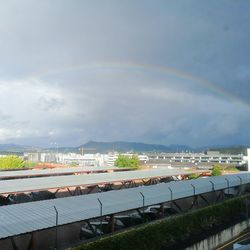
(163, 72)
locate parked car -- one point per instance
(19, 198)
(130, 219)
(42, 195)
(96, 228)
(89, 231)
(106, 226)
(155, 212)
(150, 213)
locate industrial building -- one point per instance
(209, 157)
(194, 159)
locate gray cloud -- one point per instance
(46, 95)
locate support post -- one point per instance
(162, 210)
(195, 197)
(203, 198)
(112, 223)
(171, 197)
(221, 195)
(193, 188)
(70, 192)
(227, 185)
(247, 208)
(91, 188)
(240, 179)
(179, 208)
(56, 192)
(100, 213)
(214, 194)
(32, 243)
(240, 187)
(143, 205)
(13, 243)
(56, 227)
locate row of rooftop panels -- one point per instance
(59, 182)
(56, 171)
(34, 216)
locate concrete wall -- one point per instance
(221, 238)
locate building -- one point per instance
(84, 160)
(247, 159)
(210, 157)
(32, 156)
(170, 159)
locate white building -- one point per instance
(110, 158)
(85, 160)
(196, 158)
(67, 159)
(248, 159)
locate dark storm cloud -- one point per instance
(47, 88)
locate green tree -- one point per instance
(124, 161)
(134, 161)
(193, 176)
(11, 162)
(74, 164)
(29, 164)
(217, 170)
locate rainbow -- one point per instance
(132, 66)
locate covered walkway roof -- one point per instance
(60, 182)
(28, 217)
(55, 171)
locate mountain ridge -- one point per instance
(123, 146)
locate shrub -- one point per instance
(217, 170)
(193, 176)
(11, 162)
(29, 164)
(124, 161)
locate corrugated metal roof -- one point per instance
(28, 217)
(44, 172)
(45, 183)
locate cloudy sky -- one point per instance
(165, 72)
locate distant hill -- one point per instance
(231, 150)
(122, 146)
(13, 148)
